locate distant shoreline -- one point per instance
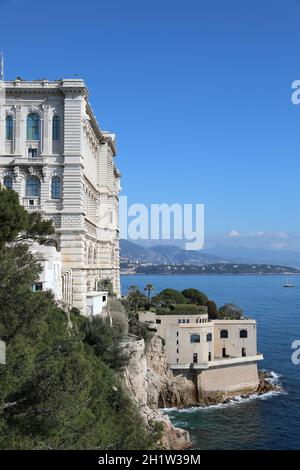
(208, 274)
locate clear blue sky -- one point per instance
(198, 92)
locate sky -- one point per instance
(197, 91)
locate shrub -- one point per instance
(195, 296)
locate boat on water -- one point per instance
(288, 283)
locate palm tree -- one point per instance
(149, 288)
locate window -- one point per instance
(224, 334)
(209, 356)
(8, 182)
(183, 321)
(38, 286)
(9, 128)
(243, 334)
(158, 321)
(209, 337)
(32, 153)
(195, 358)
(243, 352)
(33, 127)
(188, 321)
(195, 339)
(33, 187)
(56, 188)
(177, 334)
(224, 354)
(177, 342)
(179, 321)
(177, 350)
(56, 128)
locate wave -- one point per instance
(237, 400)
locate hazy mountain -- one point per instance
(252, 255)
(169, 254)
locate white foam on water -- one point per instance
(238, 400)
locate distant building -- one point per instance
(223, 353)
(54, 154)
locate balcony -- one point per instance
(29, 161)
(32, 203)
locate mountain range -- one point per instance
(170, 254)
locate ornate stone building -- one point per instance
(54, 154)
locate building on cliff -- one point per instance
(54, 154)
(220, 354)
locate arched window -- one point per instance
(7, 182)
(224, 334)
(195, 338)
(33, 187)
(56, 128)
(9, 128)
(56, 187)
(243, 334)
(209, 337)
(33, 126)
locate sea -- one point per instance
(271, 421)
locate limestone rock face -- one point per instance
(164, 390)
(150, 384)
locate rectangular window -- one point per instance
(32, 153)
(158, 321)
(38, 286)
(188, 321)
(179, 321)
(177, 350)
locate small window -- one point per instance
(179, 321)
(56, 128)
(9, 128)
(195, 358)
(188, 321)
(243, 334)
(32, 153)
(243, 352)
(195, 338)
(209, 356)
(158, 321)
(177, 350)
(183, 321)
(209, 337)
(33, 126)
(224, 334)
(177, 334)
(8, 183)
(56, 188)
(177, 342)
(104, 298)
(38, 286)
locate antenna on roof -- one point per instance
(1, 66)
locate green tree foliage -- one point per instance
(17, 224)
(58, 389)
(106, 285)
(135, 299)
(171, 296)
(212, 310)
(230, 312)
(195, 296)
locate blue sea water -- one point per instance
(269, 422)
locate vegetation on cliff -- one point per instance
(173, 302)
(60, 387)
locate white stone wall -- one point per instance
(86, 215)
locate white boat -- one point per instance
(288, 283)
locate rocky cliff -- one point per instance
(151, 384)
